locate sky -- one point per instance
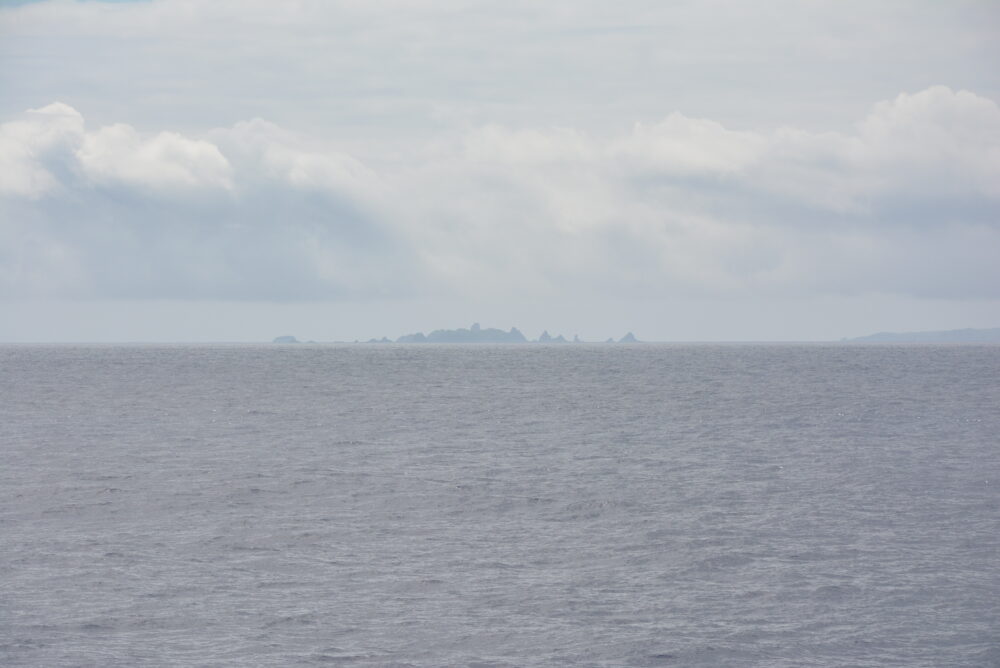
(235, 170)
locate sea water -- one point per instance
(577, 505)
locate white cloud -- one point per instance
(497, 144)
(689, 206)
(683, 146)
(118, 154)
(47, 141)
(905, 204)
(943, 140)
(262, 150)
(28, 147)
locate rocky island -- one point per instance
(474, 334)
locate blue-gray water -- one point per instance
(500, 506)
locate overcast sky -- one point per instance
(341, 169)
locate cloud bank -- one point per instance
(907, 202)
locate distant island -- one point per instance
(946, 336)
(474, 334)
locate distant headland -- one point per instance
(474, 334)
(948, 336)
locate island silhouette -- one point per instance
(474, 334)
(477, 334)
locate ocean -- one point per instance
(500, 505)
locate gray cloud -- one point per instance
(396, 69)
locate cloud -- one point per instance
(117, 154)
(947, 142)
(906, 203)
(414, 68)
(683, 146)
(115, 213)
(32, 147)
(935, 151)
(48, 148)
(265, 152)
(687, 205)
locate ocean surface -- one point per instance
(578, 505)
